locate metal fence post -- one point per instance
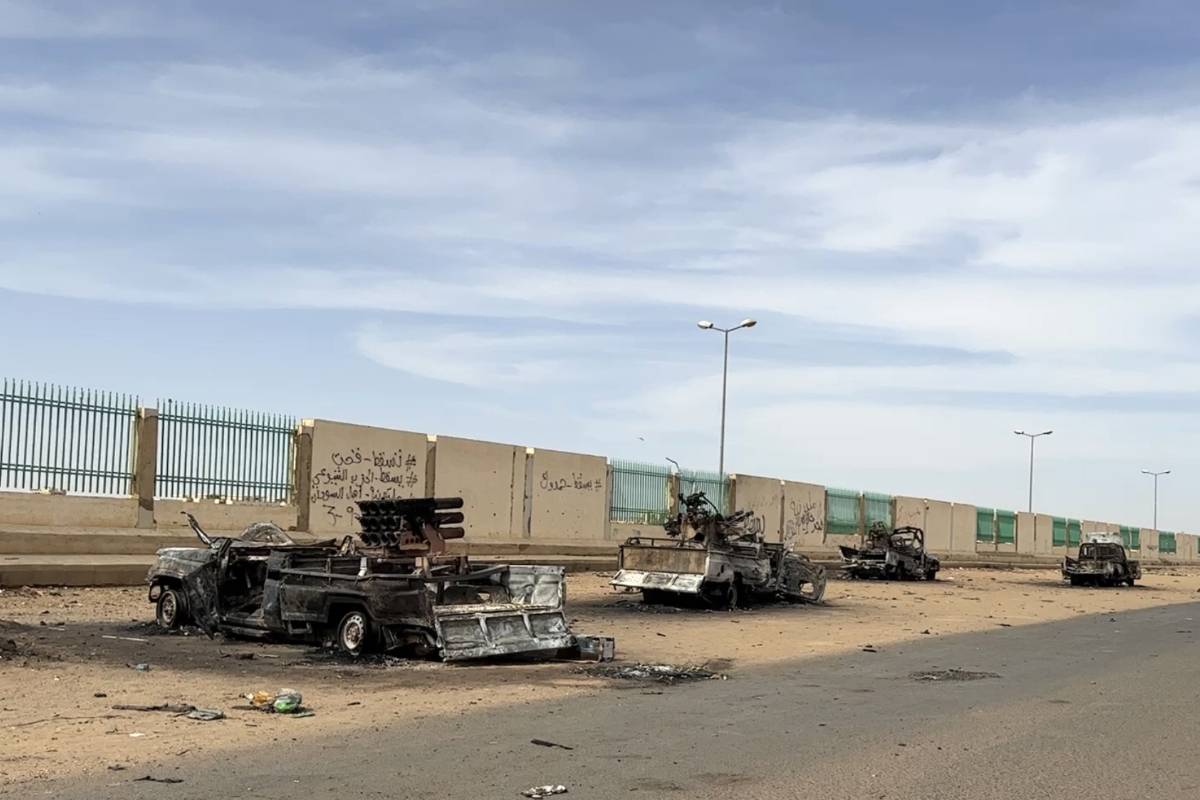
(145, 462)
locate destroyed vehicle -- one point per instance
(721, 560)
(396, 589)
(896, 554)
(1102, 561)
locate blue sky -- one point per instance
(501, 220)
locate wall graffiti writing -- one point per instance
(575, 482)
(359, 474)
(802, 520)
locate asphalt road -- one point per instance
(1095, 706)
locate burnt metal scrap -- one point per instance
(1102, 561)
(721, 559)
(394, 590)
(891, 553)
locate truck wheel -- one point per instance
(1076, 580)
(353, 635)
(1129, 581)
(171, 609)
(722, 597)
(931, 574)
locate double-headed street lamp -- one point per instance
(708, 326)
(1032, 437)
(1156, 474)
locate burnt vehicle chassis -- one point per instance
(1101, 561)
(398, 590)
(720, 560)
(898, 554)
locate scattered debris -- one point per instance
(951, 675)
(285, 701)
(125, 638)
(544, 743)
(206, 714)
(659, 673)
(152, 779)
(116, 767)
(99, 694)
(170, 708)
(139, 667)
(544, 791)
(869, 648)
(596, 648)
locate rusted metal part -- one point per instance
(398, 591)
(1102, 561)
(723, 560)
(896, 554)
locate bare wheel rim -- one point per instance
(814, 591)
(168, 608)
(353, 632)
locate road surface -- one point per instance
(1094, 706)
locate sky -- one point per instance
(502, 220)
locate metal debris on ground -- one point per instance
(139, 667)
(660, 673)
(544, 791)
(170, 708)
(152, 779)
(206, 714)
(544, 743)
(951, 675)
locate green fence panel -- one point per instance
(1006, 526)
(640, 492)
(225, 453)
(1130, 537)
(878, 508)
(714, 485)
(843, 511)
(1166, 542)
(1135, 539)
(64, 438)
(1059, 537)
(985, 524)
(1074, 533)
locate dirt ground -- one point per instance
(67, 656)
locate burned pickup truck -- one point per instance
(1102, 561)
(896, 554)
(396, 589)
(721, 560)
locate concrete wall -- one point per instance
(908, 511)
(490, 478)
(1026, 533)
(67, 511)
(763, 496)
(357, 462)
(1149, 542)
(222, 517)
(932, 516)
(804, 516)
(962, 529)
(568, 496)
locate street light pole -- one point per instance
(708, 326)
(1155, 475)
(1032, 437)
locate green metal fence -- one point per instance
(985, 524)
(1074, 532)
(1059, 537)
(843, 511)
(1006, 526)
(206, 451)
(640, 492)
(877, 508)
(1131, 537)
(64, 438)
(714, 485)
(1166, 542)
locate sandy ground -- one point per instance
(66, 656)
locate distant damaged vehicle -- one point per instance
(1102, 561)
(721, 560)
(896, 554)
(396, 589)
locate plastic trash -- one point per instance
(206, 714)
(287, 701)
(545, 791)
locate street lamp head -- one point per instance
(1045, 433)
(1020, 433)
(748, 323)
(704, 325)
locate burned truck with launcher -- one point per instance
(395, 589)
(891, 554)
(720, 560)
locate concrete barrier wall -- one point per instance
(358, 462)
(1149, 542)
(1026, 533)
(763, 496)
(908, 511)
(568, 497)
(67, 511)
(804, 517)
(962, 529)
(490, 478)
(168, 515)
